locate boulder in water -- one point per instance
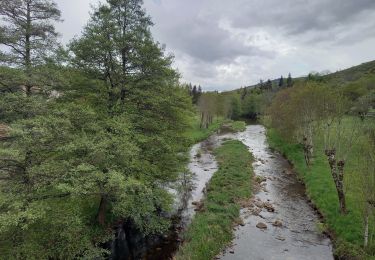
(261, 225)
(277, 223)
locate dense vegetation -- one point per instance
(211, 229)
(91, 134)
(325, 126)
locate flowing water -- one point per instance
(289, 223)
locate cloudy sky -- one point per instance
(226, 44)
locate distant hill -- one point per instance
(352, 74)
(342, 77)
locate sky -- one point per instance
(226, 44)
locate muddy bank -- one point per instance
(279, 222)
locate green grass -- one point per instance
(196, 134)
(237, 126)
(347, 229)
(211, 229)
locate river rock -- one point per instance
(258, 203)
(260, 179)
(255, 211)
(261, 225)
(277, 223)
(268, 206)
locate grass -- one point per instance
(347, 229)
(237, 126)
(196, 134)
(211, 229)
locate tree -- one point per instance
(195, 94)
(296, 112)
(111, 46)
(200, 91)
(366, 166)
(76, 165)
(28, 34)
(289, 81)
(117, 47)
(340, 134)
(261, 84)
(281, 82)
(207, 107)
(268, 85)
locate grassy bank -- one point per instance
(237, 126)
(211, 229)
(347, 229)
(196, 134)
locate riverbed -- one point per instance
(278, 222)
(287, 223)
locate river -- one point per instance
(289, 225)
(278, 222)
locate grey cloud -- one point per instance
(299, 16)
(204, 40)
(340, 31)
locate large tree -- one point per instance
(117, 48)
(111, 45)
(28, 34)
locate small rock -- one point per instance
(280, 238)
(277, 223)
(259, 204)
(269, 207)
(261, 225)
(231, 251)
(198, 205)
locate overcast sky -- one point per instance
(226, 44)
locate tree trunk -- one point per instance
(307, 150)
(340, 186)
(366, 225)
(28, 84)
(202, 120)
(102, 211)
(337, 172)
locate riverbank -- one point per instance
(196, 134)
(346, 230)
(211, 229)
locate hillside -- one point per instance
(363, 71)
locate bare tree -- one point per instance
(367, 177)
(340, 132)
(28, 33)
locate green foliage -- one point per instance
(237, 126)
(197, 134)
(97, 148)
(235, 108)
(211, 229)
(320, 188)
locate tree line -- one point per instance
(332, 122)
